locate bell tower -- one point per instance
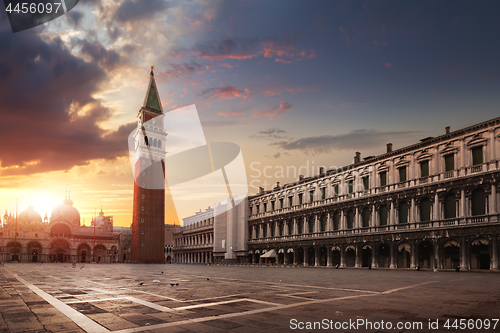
(148, 220)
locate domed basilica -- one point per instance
(62, 238)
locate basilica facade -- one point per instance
(431, 205)
(60, 238)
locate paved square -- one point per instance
(195, 298)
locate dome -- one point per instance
(30, 216)
(67, 212)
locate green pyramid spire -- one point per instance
(152, 99)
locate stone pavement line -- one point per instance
(148, 304)
(81, 320)
(94, 300)
(304, 286)
(251, 312)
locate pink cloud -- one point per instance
(192, 21)
(276, 111)
(388, 65)
(230, 113)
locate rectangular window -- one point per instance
(258, 209)
(424, 169)
(402, 174)
(290, 201)
(477, 155)
(281, 203)
(366, 183)
(336, 189)
(265, 207)
(311, 196)
(272, 204)
(383, 178)
(323, 193)
(449, 161)
(300, 198)
(350, 188)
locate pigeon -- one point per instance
(176, 284)
(208, 279)
(172, 284)
(141, 283)
(161, 272)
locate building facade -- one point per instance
(194, 242)
(148, 219)
(58, 239)
(430, 205)
(169, 241)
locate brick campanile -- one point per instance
(148, 221)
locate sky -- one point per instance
(293, 83)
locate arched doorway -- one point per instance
(404, 255)
(335, 256)
(366, 256)
(322, 256)
(350, 256)
(480, 254)
(34, 252)
(281, 256)
(311, 257)
(289, 255)
(99, 253)
(60, 251)
(83, 251)
(451, 254)
(384, 255)
(426, 255)
(300, 256)
(15, 250)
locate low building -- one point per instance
(194, 243)
(430, 205)
(28, 238)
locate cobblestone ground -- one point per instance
(197, 298)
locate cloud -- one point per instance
(230, 113)
(354, 140)
(106, 58)
(277, 155)
(270, 134)
(178, 70)
(284, 49)
(137, 10)
(276, 111)
(388, 65)
(50, 119)
(74, 17)
(227, 92)
(192, 21)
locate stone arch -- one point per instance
(384, 255)
(60, 250)
(350, 255)
(366, 255)
(404, 255)
(425, 254)
(99, 253)
(323, 256)
(83, 252)
(289, 255)
(480, 257)
(336, 252)
(451, 254)
(300, 255)
(14, 250)
(60, 229)
(34, 250)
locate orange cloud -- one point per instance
(227, 92)
(276, 111)
(192, 21)
(230, 113)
